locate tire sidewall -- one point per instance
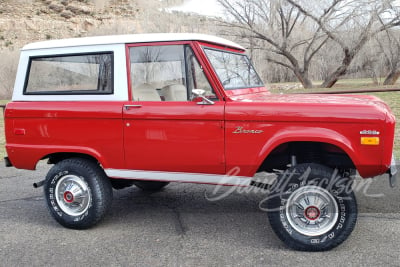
(88, 176)
(53, 204)
(345, 200)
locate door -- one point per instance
(165, 131)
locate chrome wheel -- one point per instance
(73, 195)
(312, 210)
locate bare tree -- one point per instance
(390, 48)
(279, 28)
(295, 31)
(364, 18)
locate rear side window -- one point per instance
(70, 74)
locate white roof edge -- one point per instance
(130, 38)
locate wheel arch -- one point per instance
(54, 158)
(323, 140)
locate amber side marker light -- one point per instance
(370, 141)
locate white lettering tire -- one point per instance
(77, 192)
(311, 208)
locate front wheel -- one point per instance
(77, 192)
(311, 208)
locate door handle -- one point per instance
(128, 107)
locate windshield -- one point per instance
(234, 70)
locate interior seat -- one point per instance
(174, 92)
(145, 92)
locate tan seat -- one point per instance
(145, 92)
(174, 92)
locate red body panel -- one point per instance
(175, 136)
(336, 120)
(51, 127)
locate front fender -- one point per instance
(367, 159)
(307, 134)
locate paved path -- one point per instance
(179, 227)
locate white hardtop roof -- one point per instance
(131, 38)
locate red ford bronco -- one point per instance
(146, 110)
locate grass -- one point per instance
(391, 98)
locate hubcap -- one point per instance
(73, 195)
(312, 213)
(312, 210)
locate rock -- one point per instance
(88, 24)
(76, 9)
(30, 25)
(56, 7)
(86, 10)
(65, 2)
(44, 11)
(67, 14)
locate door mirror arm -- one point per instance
(200, 93)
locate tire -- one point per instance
(151, 186)
(310, 208)
(78, 193)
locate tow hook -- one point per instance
(38, 184)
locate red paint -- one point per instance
(19, 131)
(312, 213)
(68, 197)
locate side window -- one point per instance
(158, 73)
(197, 79)
(165, 73)
(70, 74)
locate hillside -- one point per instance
(22, 22)
(26, 21)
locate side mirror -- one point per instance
(200, 93)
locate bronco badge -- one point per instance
(241, 130)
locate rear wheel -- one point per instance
(77, 192)
(311, 208)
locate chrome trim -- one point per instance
(127, 107)
(205, 101)
(73, 195)
(312, 210)
(180, 177)
(370, 132)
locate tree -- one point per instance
(294, 32)
(290, 43)
(390, 48)
(365, 18)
